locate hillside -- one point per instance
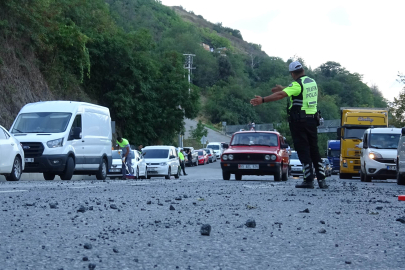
(128, 56)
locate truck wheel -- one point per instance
(278, 175)
(238, 176)
(102, 171)
(49, 176)
(226, 175)
(68, 173)
(16, 172)
(284, 176)
(400, 178)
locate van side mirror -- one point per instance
(76, 134)
(339, 133)
(360, 145)
(172, 156)
(284, 146)
(403, 131)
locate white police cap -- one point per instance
(294, 66)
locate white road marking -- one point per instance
(11, 191)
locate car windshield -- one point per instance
(200, 153)
(333, 153)
(384, 141)
(213, 146)
(354, 133)
(156, 153)
(41, 122)
(255, 138)
(294, 155)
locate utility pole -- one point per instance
(189, 66)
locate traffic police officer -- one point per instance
(303, 119)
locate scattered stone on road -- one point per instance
(81, 209)
(401, 219)
(305, 211)
(205, 229)
(250, 223)
(88, 246)
(172, 207)
(113, 206)
(322, 231)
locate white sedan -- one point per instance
(12, 160)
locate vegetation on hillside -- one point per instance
(128, 56)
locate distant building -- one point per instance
(206, 47)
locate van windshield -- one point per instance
(42, 122)
(384, 141)
(156, 153)
(213, 146)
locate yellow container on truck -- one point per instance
(354, 121)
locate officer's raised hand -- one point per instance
(277, 88)
(256, 101)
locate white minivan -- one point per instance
(65, 138)
(378, 153)
(161, 161)
(217, 148)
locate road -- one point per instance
(212, 136)
(117, 224)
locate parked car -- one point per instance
(161, 161)
(295, 165)
(12, 160)
(379, 150)
(138, 168)
(65, 138)
(212, 157)
(256, 153)
(194, 155)
(327, 167)
(202, 157)
(216, 148)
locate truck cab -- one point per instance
(333, 154)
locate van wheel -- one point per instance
(169, 173)
(367, 178)
(177, 175)
(362, 176)
(68, 173)
(102, 170)
(238, 176)
(226, 175)
(16, 172)
(284, 176)
(400, 178)
(49, 176)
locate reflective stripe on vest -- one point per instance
(308, 98)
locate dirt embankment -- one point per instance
(21, 81)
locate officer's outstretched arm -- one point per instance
(276, 96)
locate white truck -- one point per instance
(65, 138)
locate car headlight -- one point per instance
(267, 157)
(273, 157)
(225, 157)
(230, 157)
(374, 155)
(163, 163)
(55, 143)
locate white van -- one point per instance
(217, 148)
(65, 138)
(161, 161)
(378, 153)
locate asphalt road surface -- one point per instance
(117, 224)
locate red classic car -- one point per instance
(256, 153)
(203, 157)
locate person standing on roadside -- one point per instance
(181, 156)
(303, 118)
(140, 149)
(126, 156)
(190, 158)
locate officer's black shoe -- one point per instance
(305, 184)
(322, 184)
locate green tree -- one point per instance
(198, 132)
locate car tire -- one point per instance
(238, 176)
(146, 173)
(49, 176)
(400, 179)
(284, 176)
(169, 173)
(361, 176)
(16, 172)
(68, 173)
(226, 175)
(102, 170)
(278, 175)
(137, 173)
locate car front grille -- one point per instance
(247, 157)
(385, 160)
(32, 149)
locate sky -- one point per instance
(365, 37)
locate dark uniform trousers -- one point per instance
(305, 137)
